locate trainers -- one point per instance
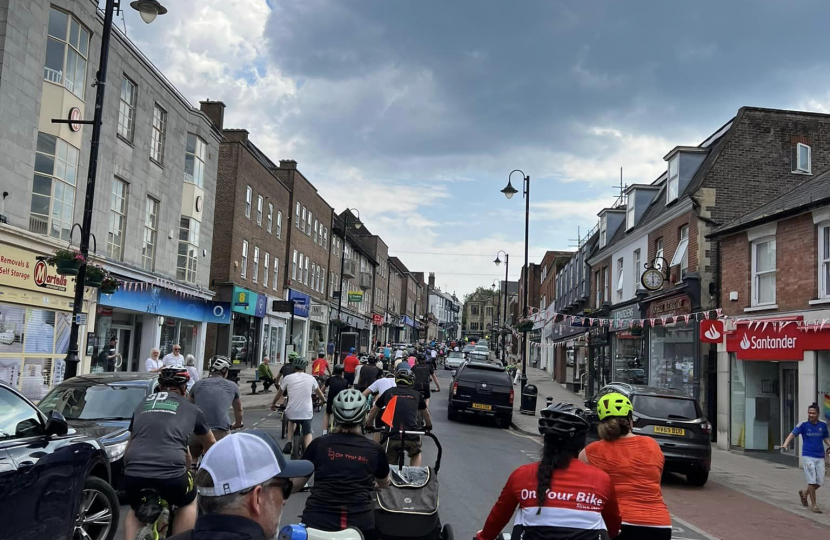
(288, 448)
(817, 510)
(803, 498)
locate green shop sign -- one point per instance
(355, 297)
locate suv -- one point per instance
(53, 484)
(672, 418)
(482, 388)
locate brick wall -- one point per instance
(222, 259)
(670, 233)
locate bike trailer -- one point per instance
(408, 508)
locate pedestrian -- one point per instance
(814, 436)
(153, 363)
(243, 485)
(190, 365)
(214, 396)
(350, 364)
(108, 356)
(174, 358)
(330, 350)
(265, 375)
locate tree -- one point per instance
(484, 291)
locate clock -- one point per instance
(652, 279)
(199, 203)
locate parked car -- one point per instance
(481, 388)
(52, 481)
(454, 360)
(672, 418)
(101, 405)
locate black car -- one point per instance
(672, 418)
(54, 483)
(101, 405)
(482, 388)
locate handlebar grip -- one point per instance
(301, 532)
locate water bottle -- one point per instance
(301, 532)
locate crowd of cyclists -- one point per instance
(185, 443)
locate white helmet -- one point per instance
(220, 363)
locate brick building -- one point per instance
(550, 266)
(379, 252)
(408, 294)
(397, 279)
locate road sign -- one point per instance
(80, 319)
(282, 306)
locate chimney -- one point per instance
(431, 280)
(288, 164)
(215, 110)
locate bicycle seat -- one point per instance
(151, 506)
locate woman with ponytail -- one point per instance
(635, 464)
(558, 497)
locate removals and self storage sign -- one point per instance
(769, 343)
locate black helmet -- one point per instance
(563, 421)
(349, 407)
(173, 376)
(338, 369)
(403, 375)
(421, 358)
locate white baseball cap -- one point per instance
(244, 460)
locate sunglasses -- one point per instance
(287, 487)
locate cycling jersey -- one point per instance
(350, 363)
(368, 374)
(319, 367)
(580, 505)
(422, 374)
(335, 385)
(409, 402)
(214, 396)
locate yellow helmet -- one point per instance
(614, 404)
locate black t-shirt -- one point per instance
(422, 373)
(287, 370)
(409, 402)
(368, 375)
(160, 429)
(345, 466)
(335, 386)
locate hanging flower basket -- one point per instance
(523, 325)
(636, 330)
(109, 285)
(94, 275)
(504, 331)
(67, 262)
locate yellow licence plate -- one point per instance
(482, 407)
(669, 430)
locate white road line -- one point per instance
(691, 527)
(520, 435)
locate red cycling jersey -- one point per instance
(580, 505)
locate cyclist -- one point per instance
(635, 464)
(300, 409)
(407, 405)
(320, 367)
(214, 396)
(335, 384)
(347, 466)
(423, 372)
(287, 368)
(558, 497)
(377, 389)
(369, 373)
(156, 454)
(349, 364)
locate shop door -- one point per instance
(123, 347)
(789, 399)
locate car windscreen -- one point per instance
(479, 357)
(666, 407)
(96, 402)
(488, 376)
(456, 355)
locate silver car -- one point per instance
(454, 360)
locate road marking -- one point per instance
(520, 435)
(679, 530)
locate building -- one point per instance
(775, 289)
(153, 197)
(379, 252)
(551, 264)
(480, 314)
(445, 308)
(423, 322)
(249, 248)
(408, 294)
(395, 310)
(532, 281)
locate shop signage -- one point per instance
(355, 297)
(767, 343)
(165, 302)
(630, 312)
(711, 331)
(282, 306)
(377, 320)
(75, 116)
(670, 307)
(318, 313)
(302, 302)
(20, 268)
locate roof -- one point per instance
(813, 193)
(399, 265)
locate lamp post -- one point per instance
(357, 225)
(504, 318)
(148, 9)
(509, 191)
(497, 321)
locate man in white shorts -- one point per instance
(814, 436)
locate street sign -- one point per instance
(355, 297)
(282, 306)
(80, 319)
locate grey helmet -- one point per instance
(220, 363)
(350, 407)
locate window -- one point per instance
(606, 296)
(630, 213)
(308, 229)
(126, 109)
(302, 220)
(473, 309)
(294, 266)
(331, 284)
(763, 272)
(325, 237)
(673, 183)
(488, 311)
(824, 260)
(118, 219)
(259, 210)
(159, 127)
(323, 282)
(276, 273)
(255, 275)
(249, 195)
(801, 158)
(316, 285)
(67, 48)
(20, 420)
(681, 254)
(188, 248)
(305, 272)
(658, 254)
(148, 250)
(270, 217)
(297, 220)
(265, 271)
(244, 273)
(53, 189)
(194, 161)
(637, 272)
(316, 224)
(279, 223)
(598, 301)
(620, 276)
(603, 231)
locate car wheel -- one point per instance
(504, 421)
(97, 517)
(452, 414)
(697, 478)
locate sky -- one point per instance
(415, 112)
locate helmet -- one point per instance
(338, 369)
(403, 375)
(563, 421)
(300, 362)
(614, 404)
(351, 349)
(173, 376)
(363, 359)
(350, 407)
(219, 363)
(421, 358)
(293, 355)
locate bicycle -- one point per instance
(297, 441)
(156, 516)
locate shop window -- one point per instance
(194, 162)
(148, 250)
(117, 219)
(187, 258)
(763, 272)
(672, 358)
(158, 134)
(823, 397)
(126, 109)
(53, 187)
(67, 49)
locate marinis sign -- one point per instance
(767, 344)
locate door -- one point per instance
(789, 401)
(124, 347)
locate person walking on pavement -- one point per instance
(214, 396)
(265, 375)
(334, 384)
(190, 366)
(108, 356)
(330, 350)
(814, 436)
(174, 358)
(153, 364)
(300, 409)
(350, 363)
(243, 484)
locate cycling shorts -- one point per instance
(349, 377)
(303, 425)
(411, 444)
(179, 491)
(337, 521)
(425, 392)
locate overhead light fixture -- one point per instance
(148, 9)
(509, 190)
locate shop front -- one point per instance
(35, 317)
(627, 346)
(599, 360)
(299, 323)
(318, 322)
(248, 309)
(274, 326)
(673, 351)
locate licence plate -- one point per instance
(482, 407)
(669, 430)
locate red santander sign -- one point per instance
(711, 331)
(770, 343)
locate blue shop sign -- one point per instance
(245, 301)
(302, 302)
(167, 303)
(407, 321)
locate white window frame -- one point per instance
(294, 266)
(673, 181)
(265, 270)
(755, 274)
(117, 218)
(244, 270)
(255, 273)
(128, 101)
(598, 301)
(197, 157)
(302, 220)
(276, 273)
(308, 228)
(325, 238)
(620, 277)
(186, 257)
(297, 219)
(151, 221)
(323, 283)
(270, 222)
(658, 253)
(259, 210)
(249, 196)
(606, 285)
(316, 226)
(603, 231)
(800, 167)
(681, 254)
(637, 274)
(630, 213)
(305, 272)
(279, 223)
(159, 129)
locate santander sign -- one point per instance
(767, 344)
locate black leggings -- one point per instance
(333, 522)
(633, 532)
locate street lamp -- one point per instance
(506, 267)
(357, 225)
(498, 321)
(148, 9)
(509, 191)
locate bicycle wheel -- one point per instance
(297, 444)
(284, 425)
